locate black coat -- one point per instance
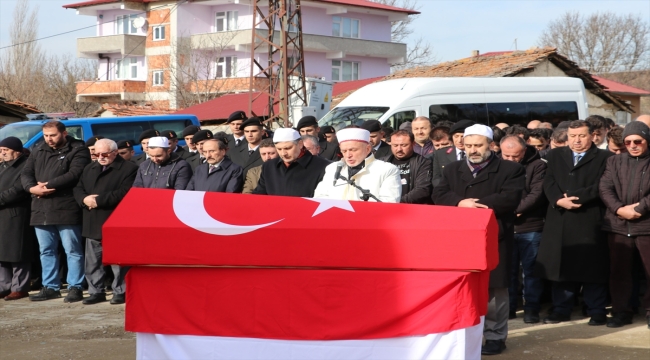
(418, 180)
(499, 186)
(228, 177)
(184, 154)
(533, 202)
(383, 151)
(17, 238)
(239, 155)
(61, 169)
(330, 150)
(573, 247)
(139, 159)
(299, 179)
(195, 161)
(231, 142)
(111, 185)
(441, 158)
(174, 173)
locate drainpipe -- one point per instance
(108, 64)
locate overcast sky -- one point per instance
(453, 27)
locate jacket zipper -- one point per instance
(629, 187)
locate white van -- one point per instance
(512, 100)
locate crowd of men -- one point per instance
(572, 201)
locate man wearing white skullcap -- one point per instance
(295, 172)
(380, 178)
(164, 169)
(484, 181)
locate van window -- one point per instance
(24, 132)
(177, 125)
(511, 113)
(75, 131)
(399, 118)
(120, 130)
(343, 116)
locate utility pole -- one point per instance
(284, 66)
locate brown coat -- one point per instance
(252, 178)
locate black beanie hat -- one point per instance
(254, 121)
(306, 121)
(202, 135)
(237, 115)
(190, 130)
(12, 143)
(125, 144)
(371, 125)
(637, 128)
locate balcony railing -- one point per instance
(112, 89)
(132, 45)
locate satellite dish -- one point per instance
(139, 22)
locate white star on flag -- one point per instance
(326, 204)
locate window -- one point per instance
(159, 33)
(124, 24)
(341, 117)
(226, 20)
(226, 67)
(158, 78)
(345, 70)
(511, 113)
(345, 27)
(127, 68)
(399, 118)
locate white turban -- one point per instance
(353, 134)
(158, 142)
(479, 129)
(285, 134)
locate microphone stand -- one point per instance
(365, 194)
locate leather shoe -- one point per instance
(618, 320)
(4, 293)
(512, 314)
(94, 299)
(16, 295)
(531, 316)
(555, 318)
(597, 320)
(118, 299)
(493, 347)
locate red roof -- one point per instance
(618, 88)
(495, 53)
(359, 3)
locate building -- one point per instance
(171, 53)
(629, 94)
(14, 111)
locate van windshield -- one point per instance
(343, 116)
(24, 132)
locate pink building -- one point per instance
(162, 51)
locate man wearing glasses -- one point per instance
(102, 186)
(573, 252)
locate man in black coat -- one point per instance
(144, 142)
(414, 169)
(18, 240)
(528, 226)
(380, 149)
(483, 180)
(308, 125)
(248, 155)
(219, 173)
(199, 138)
(52, 171)
(187, 135)
(295, 172)
(445, 156)
(101, 187)
(237, 138)
(574, 249)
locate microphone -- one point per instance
(337, 174)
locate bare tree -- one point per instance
(601, 42)
(419, 51)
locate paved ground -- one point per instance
(55, 330)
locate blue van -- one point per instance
(114, 128)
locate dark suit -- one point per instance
(441, 158)
(235, 148)
(239, 155)
(184, 154)
(139, 159)
(195, 161)
(228, 177)
(299, 179)
(329, 150)
(383, 151)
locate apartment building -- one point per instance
(164, 52)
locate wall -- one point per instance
(372, 27)
(635, 101)
(200, 19)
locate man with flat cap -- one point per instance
(248, 155)
(173, 144)
(219, 173)
(379, 148)
(144, 141)
(380, 178)
(164, 169)
(484, 181)
(90, 144)
(187, 135)
(445, 156)
(125, 149)
(295, 172)
(199, 139)
(308, 125)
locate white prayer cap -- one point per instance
(285, 134)
(353, 134)
(479, 129)
(159, 141)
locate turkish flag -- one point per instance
(164, 227)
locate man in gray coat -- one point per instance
(163, 169)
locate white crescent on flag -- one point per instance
(190, 210)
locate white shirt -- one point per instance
(382, 179)
(253, 149)
(458, 154)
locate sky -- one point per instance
(453, 27)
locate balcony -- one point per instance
(334, 47)
(112, 90)
(132, 45)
